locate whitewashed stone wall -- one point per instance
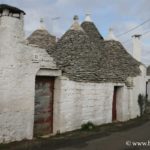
(139, 87)
(76, 103)
(19, 65)
(129, 107)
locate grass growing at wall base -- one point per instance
(87, 126)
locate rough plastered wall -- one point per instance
(129, 105)
(76, 103)
(19, 64)
(139, 87)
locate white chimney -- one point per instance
(11, 23)
(111, 35)
(137, 47)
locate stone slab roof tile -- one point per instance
(42, 38)
(92, 31)
(83, 60)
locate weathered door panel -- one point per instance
(43, 106)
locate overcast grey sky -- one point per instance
(122, 15)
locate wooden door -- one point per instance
(43, 118)
(114, 110)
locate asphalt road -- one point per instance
(125, 140)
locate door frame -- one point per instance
(114, 104)
(117, 102)
(52, 103)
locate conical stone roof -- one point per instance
(119, 64)
(92, 31)
(42, 38)
(76, 55)
(84, 60)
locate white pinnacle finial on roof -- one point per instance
(76, 25)
(88, 18)
(42, 26)
(111, 35)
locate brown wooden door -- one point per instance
(43, 118)
(114, 110)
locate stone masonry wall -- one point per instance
(139, 88)
(76, 103)
(17, 80)
(19, 64)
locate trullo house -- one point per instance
(48, 87)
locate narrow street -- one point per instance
(131, 135)
(118, 141)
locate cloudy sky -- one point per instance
(121, 15)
